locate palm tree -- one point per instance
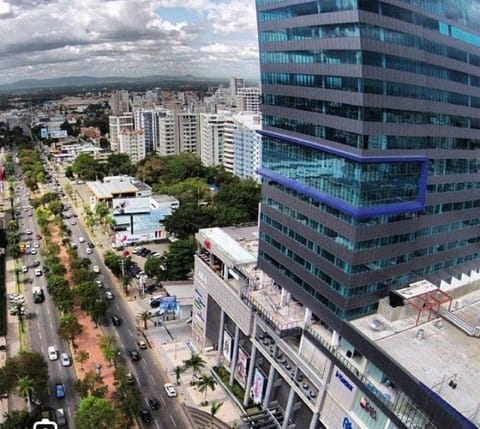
(145, 316)
(196, 362)
(206, 382)
(81, 357)
(214, 407)
(108, 345)
(25, 387)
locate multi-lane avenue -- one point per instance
(43, 322)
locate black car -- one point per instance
(134, 354)
(150, 289)
(91, 245)
(145, 415)
(154, 403)
(116, 320)
(154, 303)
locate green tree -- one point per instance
(28, 364)
(178, 259)
(196, 363)
(108, 346)
(91, 385)
(214, 408)
(19, 419)
(185, 221)
(126, 396)
(86, 167)
(119, 163)
(26, 388)
(154, 268)
(96, 413)
(145, 317)
(81, 357)
(181, 167)
(206, 382)
(69, 328)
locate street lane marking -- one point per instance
(173, 421)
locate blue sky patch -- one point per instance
(177, 14)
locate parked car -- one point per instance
(130, 378)
(90, 245)
(142, 344)
(109, 295)
(89, 251)
(96, 269)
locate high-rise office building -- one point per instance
(249, 99)
(247, 147)
(370, 197)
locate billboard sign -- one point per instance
(168, 304)
(256, 391)
(241, 368)
(227, 346)
(44, 133)
(58, 134)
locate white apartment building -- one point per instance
(146, 119)
(249, 99)
(235, 84)
(166, 144)
(247, 148)
(188, 131)
(228, 144)
(118, 124)
(212, 136)
(132, 142)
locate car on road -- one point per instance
(142, 344)
(59, 390)
(60, 417)
(91, 245)
(109, 295)
(24, 269)
(170, 390)
(27, 245)
(45, 269)
(38, 272)
(52, 353)
(81, 240)
(33, 252)
(29, 231)
(89, 251)
(65, 359)
(154, 403)
(96, 269)
(99, 283)
(145, 415)
(36, 263)
(134, 355)
(130, 378)
(117, 321)
(38, 237)
(73, 223)
(36, 244)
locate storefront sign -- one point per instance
(347, 424)
(344, 380)
(368, 407)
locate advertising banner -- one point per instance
(227, 346)
(256, 391)
(241, 368)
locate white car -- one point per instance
(29, 231)
(170, 389)
(81, 239)
(89, 251)
(73, 223)
(96, 269)
(36, 244)
(65, 359)
(52, 353)
(38, 272)
(27, 245)
(33, 252)
(24, 269)
(108, 295)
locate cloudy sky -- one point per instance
(55, 38)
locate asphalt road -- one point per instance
(148, 372)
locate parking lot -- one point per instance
(154, 247)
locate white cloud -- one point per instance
(48, 38)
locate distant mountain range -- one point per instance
(108, 82)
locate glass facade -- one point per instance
(347, 99)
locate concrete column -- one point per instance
(308, 316)
(220, 337)
(251, 371)
(314, 421)
(335, 339)
(288, 408)
(225, 272)
(268, 392)
(233, 363)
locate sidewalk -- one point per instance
(172, 346)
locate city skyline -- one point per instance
(135, 38)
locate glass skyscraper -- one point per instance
(371, 131)
(370, 162)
